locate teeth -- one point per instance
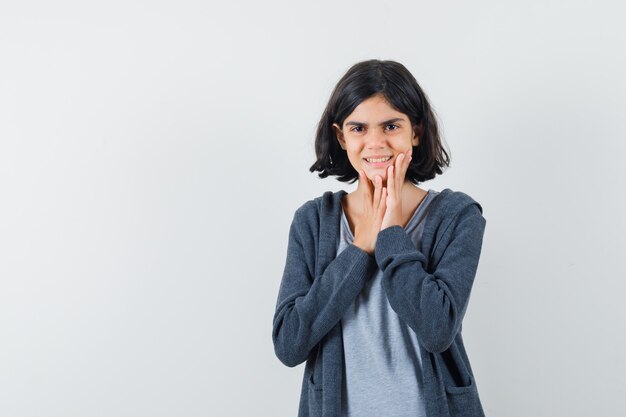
(378, 159)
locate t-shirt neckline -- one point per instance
(408, 224)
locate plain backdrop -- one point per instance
(152, 154)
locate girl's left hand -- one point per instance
(395, 181)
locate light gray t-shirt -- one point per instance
(382, 363)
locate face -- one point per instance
(375, 130)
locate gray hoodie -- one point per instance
(427, 286)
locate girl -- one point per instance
(377, 281)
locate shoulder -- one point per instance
(453, 214)
(450, 203)
(313, 211)
(329, 201)
(455, 200)
(454, 207)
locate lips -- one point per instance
(379, 164)
(378, 156)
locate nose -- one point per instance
(376, 139)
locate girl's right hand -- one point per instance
(368, 225)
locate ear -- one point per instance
(416, 140)
(416, 136)
(339, 134)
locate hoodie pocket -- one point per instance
(315, 398)
(464, 401)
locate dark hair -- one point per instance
(362, 81)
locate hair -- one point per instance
(398, 86)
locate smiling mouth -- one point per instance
(378, 160)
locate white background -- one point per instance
(152, 155)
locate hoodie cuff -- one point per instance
(392, 242)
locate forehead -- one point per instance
(374, 109)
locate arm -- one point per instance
(433, 305)
(307, 309)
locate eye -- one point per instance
(394, 126)
(354, 129)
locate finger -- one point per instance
(405, 167)
(369, 184)
(368, 189)
(377, 190)
(408, 158)
(364, 185)
(391, 190)
(383, 201)
(399, 173)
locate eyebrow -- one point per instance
(386, 122)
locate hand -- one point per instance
(367, 226)
(395, 181)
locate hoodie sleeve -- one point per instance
(433, 305)
(307, 308)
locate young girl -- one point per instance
(377, 281)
